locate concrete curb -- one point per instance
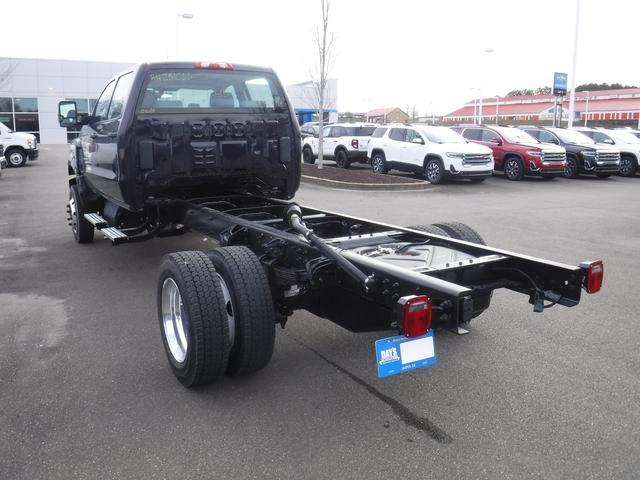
(365, 186)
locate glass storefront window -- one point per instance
(6, 105)
(25, 104)
(26, 122)
(7, 120)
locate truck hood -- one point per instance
(22, 136)
(465, 148)
(550, 148)
(600, 149)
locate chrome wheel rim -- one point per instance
(512, 169)
(433, 171)
(228, 307)
(15, 159)
(377, 164)
(174, 321)
(73, 213)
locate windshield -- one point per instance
(626, 137)
(571, 136)
(442, 135)
(171, 91)
(515, 135)
(4, 127)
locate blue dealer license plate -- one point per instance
(401, 354)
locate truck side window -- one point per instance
(410, 135)
(488, 135)
(120, 95)
(326, 132)
(472, 134)
(102, 106)
(545, 137)
(602, 138)
(397, 134)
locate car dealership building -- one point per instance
(30, 90)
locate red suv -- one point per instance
(515, 152)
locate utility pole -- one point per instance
(572, 93)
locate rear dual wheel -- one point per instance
(216, 314)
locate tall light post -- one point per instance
(586, 114)
(497, 104)
(487, 51)
(186, 16)
(572, 93)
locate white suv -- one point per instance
(435, 152)
(626, 142)
(342, 142)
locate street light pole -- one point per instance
(186, 16)
(586, 115)
(572, 93)
(486, 50)
(497, 103)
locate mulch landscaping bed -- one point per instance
(354, 174)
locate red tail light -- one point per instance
(415, 313)
(214, 66)
(354, 143)
(595, 275)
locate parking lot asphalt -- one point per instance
(86, 391)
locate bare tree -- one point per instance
(324, 45)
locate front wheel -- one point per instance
(379, 164)
(628, 166)
(513, 169)
(76, 208)
(193, 319)
(571, 168)
(342, 160)
(434, 171)
(16, 158)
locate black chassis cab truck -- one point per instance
(215, 148)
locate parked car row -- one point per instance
(477, 151)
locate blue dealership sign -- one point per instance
(560, 83)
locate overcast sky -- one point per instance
(427, 54)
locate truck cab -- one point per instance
(163, 128)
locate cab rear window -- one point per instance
(173, 91)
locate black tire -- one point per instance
(307, 156)
(16, 158)
(76, 208)
(514, 168)
(434, 171)
(461, 231)
(477, 179)
(571, 168)
(431, 229)
(379, 163)
(342, 160)
(603, 175)
(251, 306)
(205, 329)
(628, 166)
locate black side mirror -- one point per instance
(67, 114)
(554, 140)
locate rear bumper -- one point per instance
(33, 153)
(357, 154)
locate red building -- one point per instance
(603, 107)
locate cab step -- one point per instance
(96, 220)
(112, 233)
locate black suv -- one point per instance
(583, 154)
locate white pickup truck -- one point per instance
(342, 142)
(18, 147)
